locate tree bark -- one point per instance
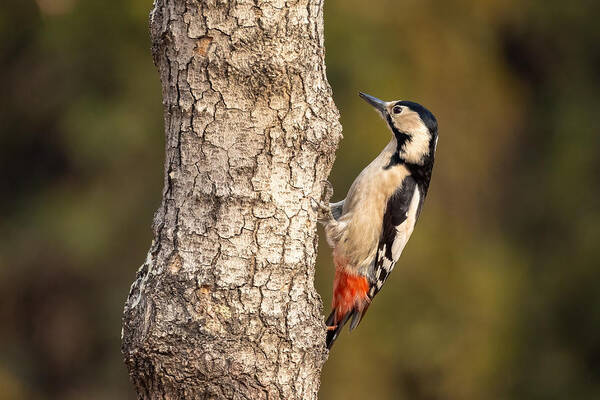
(224, 306)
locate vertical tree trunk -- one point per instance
(224, 305)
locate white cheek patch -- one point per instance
(416, 147)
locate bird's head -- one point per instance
(414, 127)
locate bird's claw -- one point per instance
(323, 210)
(327, 190)
(322, 207)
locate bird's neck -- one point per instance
(421, 172)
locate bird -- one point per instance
(370, 227)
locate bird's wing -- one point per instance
(398, 222)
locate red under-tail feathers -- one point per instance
(350, 300)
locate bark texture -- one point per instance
(224, 306)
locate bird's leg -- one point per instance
(327, 190)
(324, 209)
(332, 328)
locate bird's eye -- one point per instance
(397, 110)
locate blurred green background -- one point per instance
(496, 296)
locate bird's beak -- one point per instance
(374, 101)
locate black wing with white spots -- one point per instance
(396, 214)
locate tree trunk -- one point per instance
(224, 306)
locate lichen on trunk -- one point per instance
(224, 305)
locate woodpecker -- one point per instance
(370, 227)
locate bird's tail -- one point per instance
(350, 301)
(335, 329)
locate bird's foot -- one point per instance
(323, 211)
(327, 192)
(322, 207)
(332, 328)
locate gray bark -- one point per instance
(224, 305)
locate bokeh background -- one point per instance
(497, 295)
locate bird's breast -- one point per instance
(363, 212)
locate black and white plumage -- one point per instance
(369, 229)
(402, 208)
